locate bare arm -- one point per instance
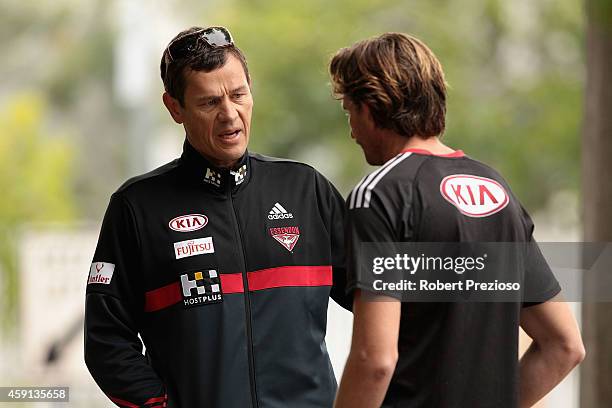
(373, 354)
(556, 349)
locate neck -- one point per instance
(220, 164)
(399, 143)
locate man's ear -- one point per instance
(367, 114)
(250, 83)
(173, 107)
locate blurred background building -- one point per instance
(81, 111)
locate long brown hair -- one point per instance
(399, 78)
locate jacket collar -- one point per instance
(220, 179)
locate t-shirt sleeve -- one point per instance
(368, 232)
(539, 282)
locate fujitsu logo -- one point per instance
(187, 223)
(474, 196)
(193, 247)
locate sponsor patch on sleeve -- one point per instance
(101, 272)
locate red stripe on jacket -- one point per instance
(282, 276)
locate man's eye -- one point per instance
(238, 95)
(211, 102)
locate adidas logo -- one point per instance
(278, 212)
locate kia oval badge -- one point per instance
(188, 223)
(474, 196)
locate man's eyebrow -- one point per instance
(240, 89)
(203, 98)
(208, 97)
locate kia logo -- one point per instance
(187, 223)
(474, 196)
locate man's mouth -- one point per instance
(230, 134)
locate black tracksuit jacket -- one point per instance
(225, 275)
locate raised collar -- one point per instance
(220, 179)
(456, 153)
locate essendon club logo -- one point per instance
(201, 287)
(474, 196)
(286, 236)
(188, 223)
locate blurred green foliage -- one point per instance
(35, 166)
(601, 13)
(515, 71)
(35, 181)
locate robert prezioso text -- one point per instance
(437, 285)
(413, 264)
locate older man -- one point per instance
(222, 261)
(436, 354)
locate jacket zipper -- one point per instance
(247, 306)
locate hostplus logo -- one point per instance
(212, 177)
(278, 212)
(201, 287)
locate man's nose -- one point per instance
(227, 111)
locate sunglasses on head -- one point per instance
(181, 47)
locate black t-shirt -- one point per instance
(460, 354)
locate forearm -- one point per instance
(113, 355)
(364, 383)
(542, 368)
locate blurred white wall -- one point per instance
(54, 264)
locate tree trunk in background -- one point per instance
(596, 370)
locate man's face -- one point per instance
(217, 112)
(363, 130)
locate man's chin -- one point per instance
(372, 161)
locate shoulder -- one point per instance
(392, 179)
(466, 163)
(146, 182)
(285, 167)
(296, 176)
(280, 163)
